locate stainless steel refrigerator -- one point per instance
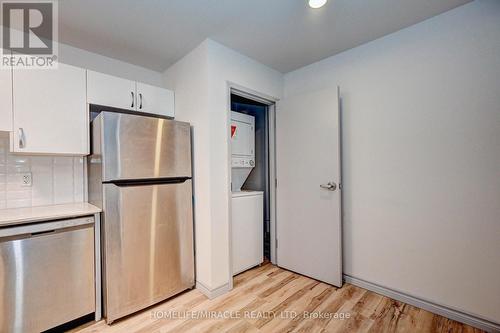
(140, 175)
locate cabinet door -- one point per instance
(155, 100)
(50, 113)
(5, 99)
(103, 89)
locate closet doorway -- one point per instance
(252, 197)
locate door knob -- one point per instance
(331, 186)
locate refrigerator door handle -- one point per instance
(147, 182)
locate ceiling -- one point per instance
(283, 34)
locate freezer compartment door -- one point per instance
(139, 147)
(148, 245)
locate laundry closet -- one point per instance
(250, 183)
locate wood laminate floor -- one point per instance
(270, 299)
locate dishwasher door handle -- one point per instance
(38, 233)
(44, 227)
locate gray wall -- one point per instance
(421, 117)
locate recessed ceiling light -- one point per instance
(317, 3)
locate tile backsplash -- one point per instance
(55, 180)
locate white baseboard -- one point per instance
(429, 306)
(213, 293)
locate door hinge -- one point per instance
(276, 243)
(275, 182)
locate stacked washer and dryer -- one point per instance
(247, 206)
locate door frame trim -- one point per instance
(243, 91)
(340, 185)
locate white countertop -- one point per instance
(45, 213)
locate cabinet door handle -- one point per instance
(133, 99)
(140, 100)
(22, 140)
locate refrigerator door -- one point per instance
(148, 245)
(140, 147)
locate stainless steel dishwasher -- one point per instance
(46, 274)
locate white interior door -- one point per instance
(308, 208)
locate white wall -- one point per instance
(421, 126)
(200, 81)
(189, 79)
(96, 62)
(226, 65)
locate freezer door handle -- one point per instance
(147, 181)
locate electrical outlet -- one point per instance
(26, 179)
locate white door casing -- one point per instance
(307, 156)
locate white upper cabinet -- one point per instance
(50, 113)
(107, 90)
(5, 99)
(103, 89)
(155, 100)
